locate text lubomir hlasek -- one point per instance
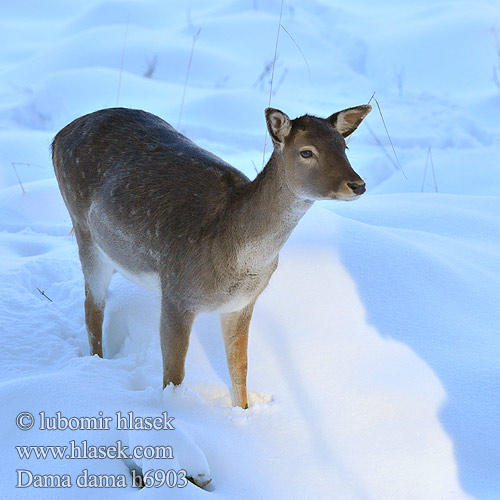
(127, 421)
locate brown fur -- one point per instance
(235, 331)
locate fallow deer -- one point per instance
(149, 203)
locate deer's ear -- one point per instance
(278, 124)
(348, 120)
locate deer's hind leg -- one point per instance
(97, 274)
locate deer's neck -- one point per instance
(264, 215)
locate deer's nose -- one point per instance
(357, 188)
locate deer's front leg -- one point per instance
(235, 331)
(175, 327)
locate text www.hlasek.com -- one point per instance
(84, 450)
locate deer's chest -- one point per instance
(242, 288)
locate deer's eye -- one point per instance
(306, 153)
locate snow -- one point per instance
(373, 356)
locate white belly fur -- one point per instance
(152, 282)
(233, 304)
(148, 281)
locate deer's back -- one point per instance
(142, 191)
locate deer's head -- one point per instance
(313, 153)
